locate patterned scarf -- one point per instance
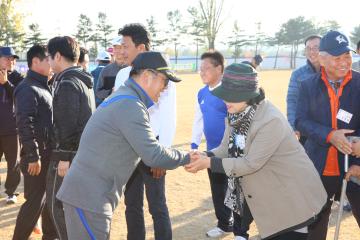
(234, 198)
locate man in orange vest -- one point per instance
(328, 111)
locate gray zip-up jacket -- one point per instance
(117, 135)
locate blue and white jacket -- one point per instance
(209, 119)
(297, 76)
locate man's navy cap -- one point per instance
(8, 52)
(335, 43)
(155, 61)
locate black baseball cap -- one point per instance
(8, 52)
(155, 61)
(335, 43)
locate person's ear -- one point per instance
(57, 56)
(35, 61)
(322, 60)
(141, 47)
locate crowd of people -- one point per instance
(82, 140)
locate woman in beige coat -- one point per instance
(269, 171)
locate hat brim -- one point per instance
(14, 56)
(234, 96)
(170, 75)
(339, 51)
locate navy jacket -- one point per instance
(7, 116)
(313, 117)
(33, 108)
(96, 73)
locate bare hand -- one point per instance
(3, 76)
(34, 168)
(63, 167)
(354, 170)
(356, 148)
(198, 162)
(195, 154)
(157, 172)
(297, 134)
(339, 140)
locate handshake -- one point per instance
(198, 161)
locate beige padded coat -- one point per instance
(281, 185)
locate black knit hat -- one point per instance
(239, 83)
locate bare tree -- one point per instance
(209, 14)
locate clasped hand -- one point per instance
(198, 161)
(339, 140)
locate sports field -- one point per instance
(188, 195)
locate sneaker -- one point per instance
(347, 207)
(11, 199)
(215, 233)
(239, 238)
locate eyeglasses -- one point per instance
(156, 73)
(312, 49)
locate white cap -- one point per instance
(103, 56)
(117, 41)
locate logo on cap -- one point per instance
(340, 39)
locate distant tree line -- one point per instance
(201, 25)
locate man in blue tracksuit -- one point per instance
(210, 119)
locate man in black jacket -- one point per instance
(9, 144)
(33, 108)
(73, 105)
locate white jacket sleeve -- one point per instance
(121, 77)
(167, 108)
(198, 127)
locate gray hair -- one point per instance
(324, 54)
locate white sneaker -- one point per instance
(215, 233)
(11, 199)
(239, 238)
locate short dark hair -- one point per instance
(311, 37)
(104, 61)
(258, 59)
(216, 58)
(38, 51)
(257, 99)
(66, 46)
(83, 52)
(138, 33)
(358, 46)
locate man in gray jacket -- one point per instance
(115, 138)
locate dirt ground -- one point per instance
(188, 195)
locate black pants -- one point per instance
(227, 221)
(134, 201)
(53, 183)
(318, 230)
(290, 236)
(33, 207)
(218, 186)
(9, 146)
